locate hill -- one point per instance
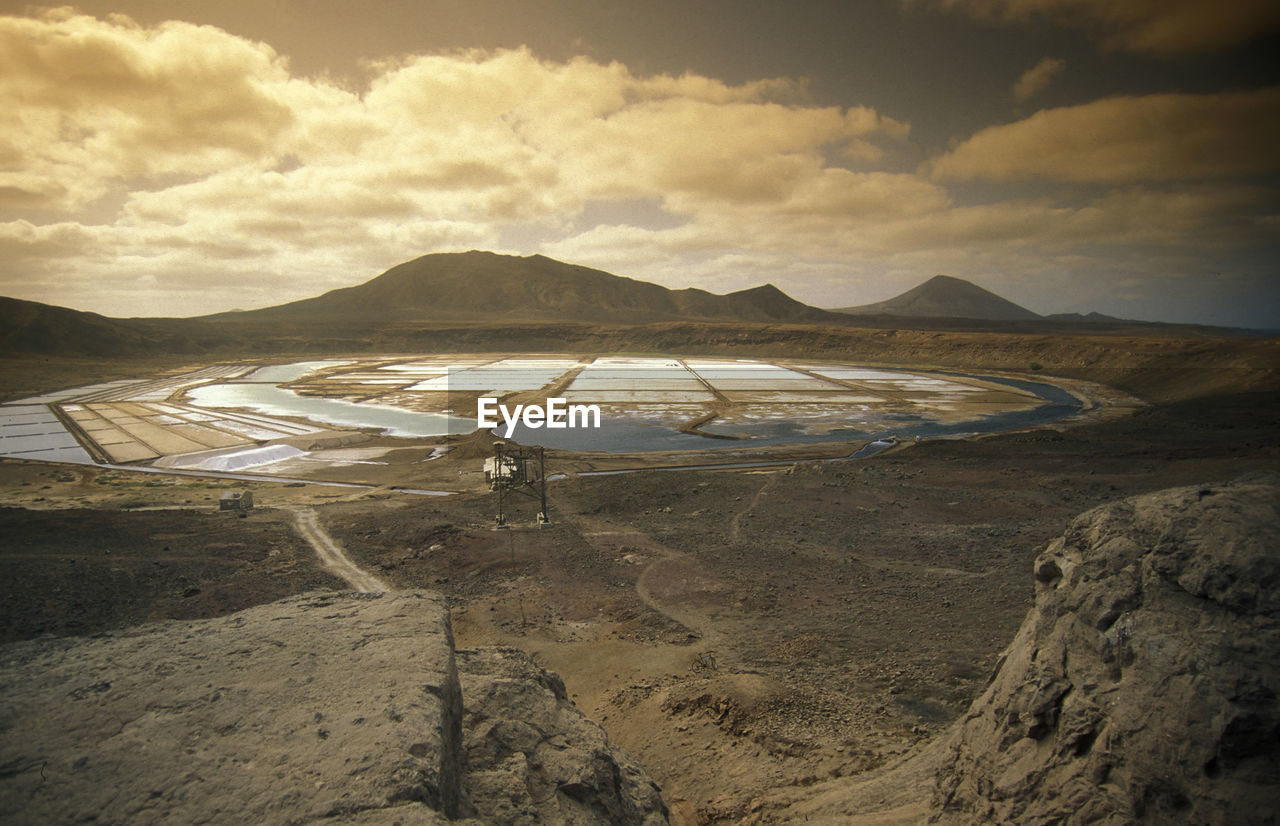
(485, 286)
(1090, 318)
(482, 302)
(466, 288)
(32, 327)
(944, 296)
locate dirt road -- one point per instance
(331, 554)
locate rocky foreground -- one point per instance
(1144, 683)
(348, 708)
(1142, 687)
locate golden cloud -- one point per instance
(230, 168)
(1127, 139)
(1035, 79)
(1159, 27)
(85, 103)
(1013, 236)
(582, 130)
(208, 135)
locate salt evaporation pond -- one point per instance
(634, 381)
(633, 435)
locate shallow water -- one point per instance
(281, 373)
(278, 401)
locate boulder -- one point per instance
(1142, 686)
(532, 757)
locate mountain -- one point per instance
(1091, 318)
(483, 300)
(485, 286)
(29, 327)
(32, 327)
(946, 297)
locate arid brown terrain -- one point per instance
(740, 632)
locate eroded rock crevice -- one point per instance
(355, 707)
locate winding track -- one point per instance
(609, 539)
(331, 554)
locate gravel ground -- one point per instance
(739, 632)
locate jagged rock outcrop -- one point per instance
(1142, 686)
(339, 707)
(533, 758)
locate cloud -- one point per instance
(1043, 252)
(218, 153)
(1035, 79)
(24, 245)
(188, 117)
(1120, 140)
(84, 103)
(1166, 28)
(1190, 217)
(146, 163)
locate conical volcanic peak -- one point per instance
(945, 296)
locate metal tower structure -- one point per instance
(516, 469)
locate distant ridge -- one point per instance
(1091, 318)
(32, 327)
(945, 296)
(485, 286)
(482, 300)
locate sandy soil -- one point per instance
(740, 632)
(751, 631)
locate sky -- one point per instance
(183, 157)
